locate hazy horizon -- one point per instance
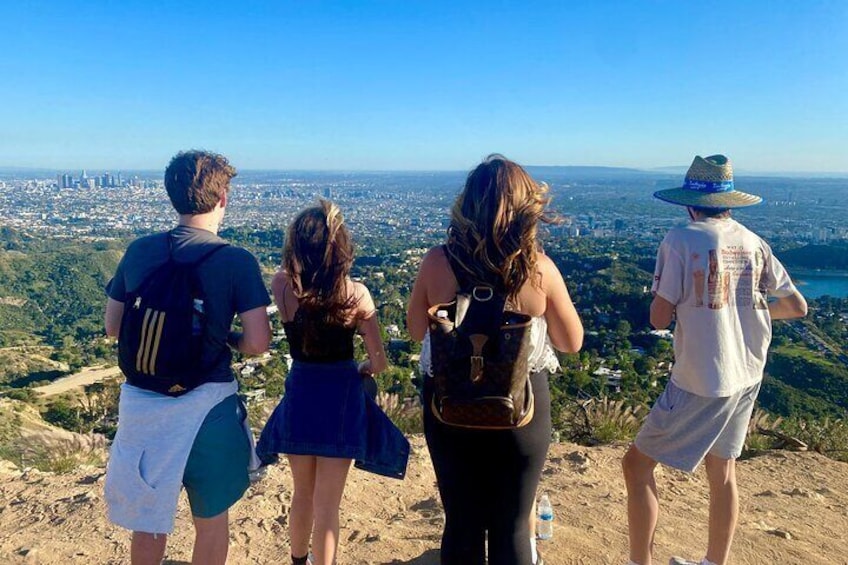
(669, 170)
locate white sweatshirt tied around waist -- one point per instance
(148, 457)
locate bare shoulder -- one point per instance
(280, 281)
(545, 262)
(435, 266)
(435, 258)
(364, 304)
(547, 270)
(359, 290)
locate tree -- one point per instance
(62, 414)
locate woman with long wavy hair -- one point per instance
(326, 419)
(488, 478)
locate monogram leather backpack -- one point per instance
(479, 358)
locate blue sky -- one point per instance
(424, 85)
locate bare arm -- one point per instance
(114, 313)
(564, 326)
(416, 312)
(369, 327)
(662, 312)
(788, 307)
(279, 284)
(257, 332)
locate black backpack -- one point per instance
(479, 358)
(163, 328)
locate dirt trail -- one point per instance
(794, 510)
(87, 376)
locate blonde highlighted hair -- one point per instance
(318, 256)
(494, 225)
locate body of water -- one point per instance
(814, 284)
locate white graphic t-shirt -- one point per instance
(719, 274)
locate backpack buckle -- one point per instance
(476, 368)
(482, 293)
(477, 343)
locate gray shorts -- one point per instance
(683, 428)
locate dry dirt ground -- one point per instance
(87, 376)
(794, 510)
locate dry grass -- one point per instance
(47, 451)
(601, 421)
(757, 441)
(406, 414)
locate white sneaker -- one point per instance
(681, 561)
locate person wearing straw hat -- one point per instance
(723, 286)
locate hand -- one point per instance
(364, 368)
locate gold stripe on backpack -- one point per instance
(151, 335)
(157, 338)
(148, 343)
(140, 355)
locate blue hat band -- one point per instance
(708, 186)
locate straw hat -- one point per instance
(709, 184)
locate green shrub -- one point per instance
(25, 394)
(827, 436)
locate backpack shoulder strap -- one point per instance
(466, 285)
(140, 288)
(485, 305)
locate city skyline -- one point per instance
(425, 86)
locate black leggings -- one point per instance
(487, 481)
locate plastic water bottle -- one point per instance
(444, 318)
(545, 522)
(197, 317)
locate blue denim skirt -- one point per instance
(325, 411)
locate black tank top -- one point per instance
(336, 341)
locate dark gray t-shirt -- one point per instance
(230, 279)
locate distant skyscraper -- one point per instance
(67, 181)
(328, 193)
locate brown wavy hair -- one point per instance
(197, 180)
(318, 255)
(494, 225)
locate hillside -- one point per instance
(52, 289)
(794, 510)
(817, 257)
